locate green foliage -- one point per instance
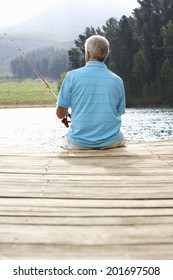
(60, 81)
(76, 58)
(76, 55)
(141, 52)
(167, 78)
(168, 39)
(141, 69)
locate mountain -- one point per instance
(58, 26)
(69, 18)
(26, 41)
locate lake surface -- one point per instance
(39, 127)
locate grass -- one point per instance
(26, 93)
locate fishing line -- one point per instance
(32, 65)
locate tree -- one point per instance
(166, 7)
(167, 82)
(140, 69)
(149, 23)
(110, 32)
(141, 51)
(76, 55)
(168, 41)
(50, 62)
(76, 58)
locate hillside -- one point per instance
(57, 26)
(27, 41)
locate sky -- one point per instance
(18, 11)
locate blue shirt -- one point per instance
(96, 97)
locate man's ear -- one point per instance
(87, 56)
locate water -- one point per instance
(39, 127)
(148, 124)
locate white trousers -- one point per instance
(69, 146)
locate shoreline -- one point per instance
(26, 105)
(20, 106)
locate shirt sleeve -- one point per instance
(64, 99)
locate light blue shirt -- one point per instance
(96, 97)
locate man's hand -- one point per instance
(65, 120)
(61, 112)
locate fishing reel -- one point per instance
(66, 121)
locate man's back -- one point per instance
(97, 99)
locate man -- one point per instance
(96, 97)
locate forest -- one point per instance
(49, 61)
(141, 53)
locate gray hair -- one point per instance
(98, 47)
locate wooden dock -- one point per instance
(114, 204)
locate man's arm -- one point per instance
(61, 112)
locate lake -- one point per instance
(39, 127)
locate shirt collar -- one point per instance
(96, 63)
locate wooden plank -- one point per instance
(40, 181)
(75, 221)
(163, 172)
(68, 252)
(69, 165)
(87, 235)
(82, 212)
(78, 203)
(95, 193)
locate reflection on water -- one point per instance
(148, 124)
(37, 127)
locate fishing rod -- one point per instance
(32, 65)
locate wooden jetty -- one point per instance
(114, 204)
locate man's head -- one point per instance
(96, 48)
